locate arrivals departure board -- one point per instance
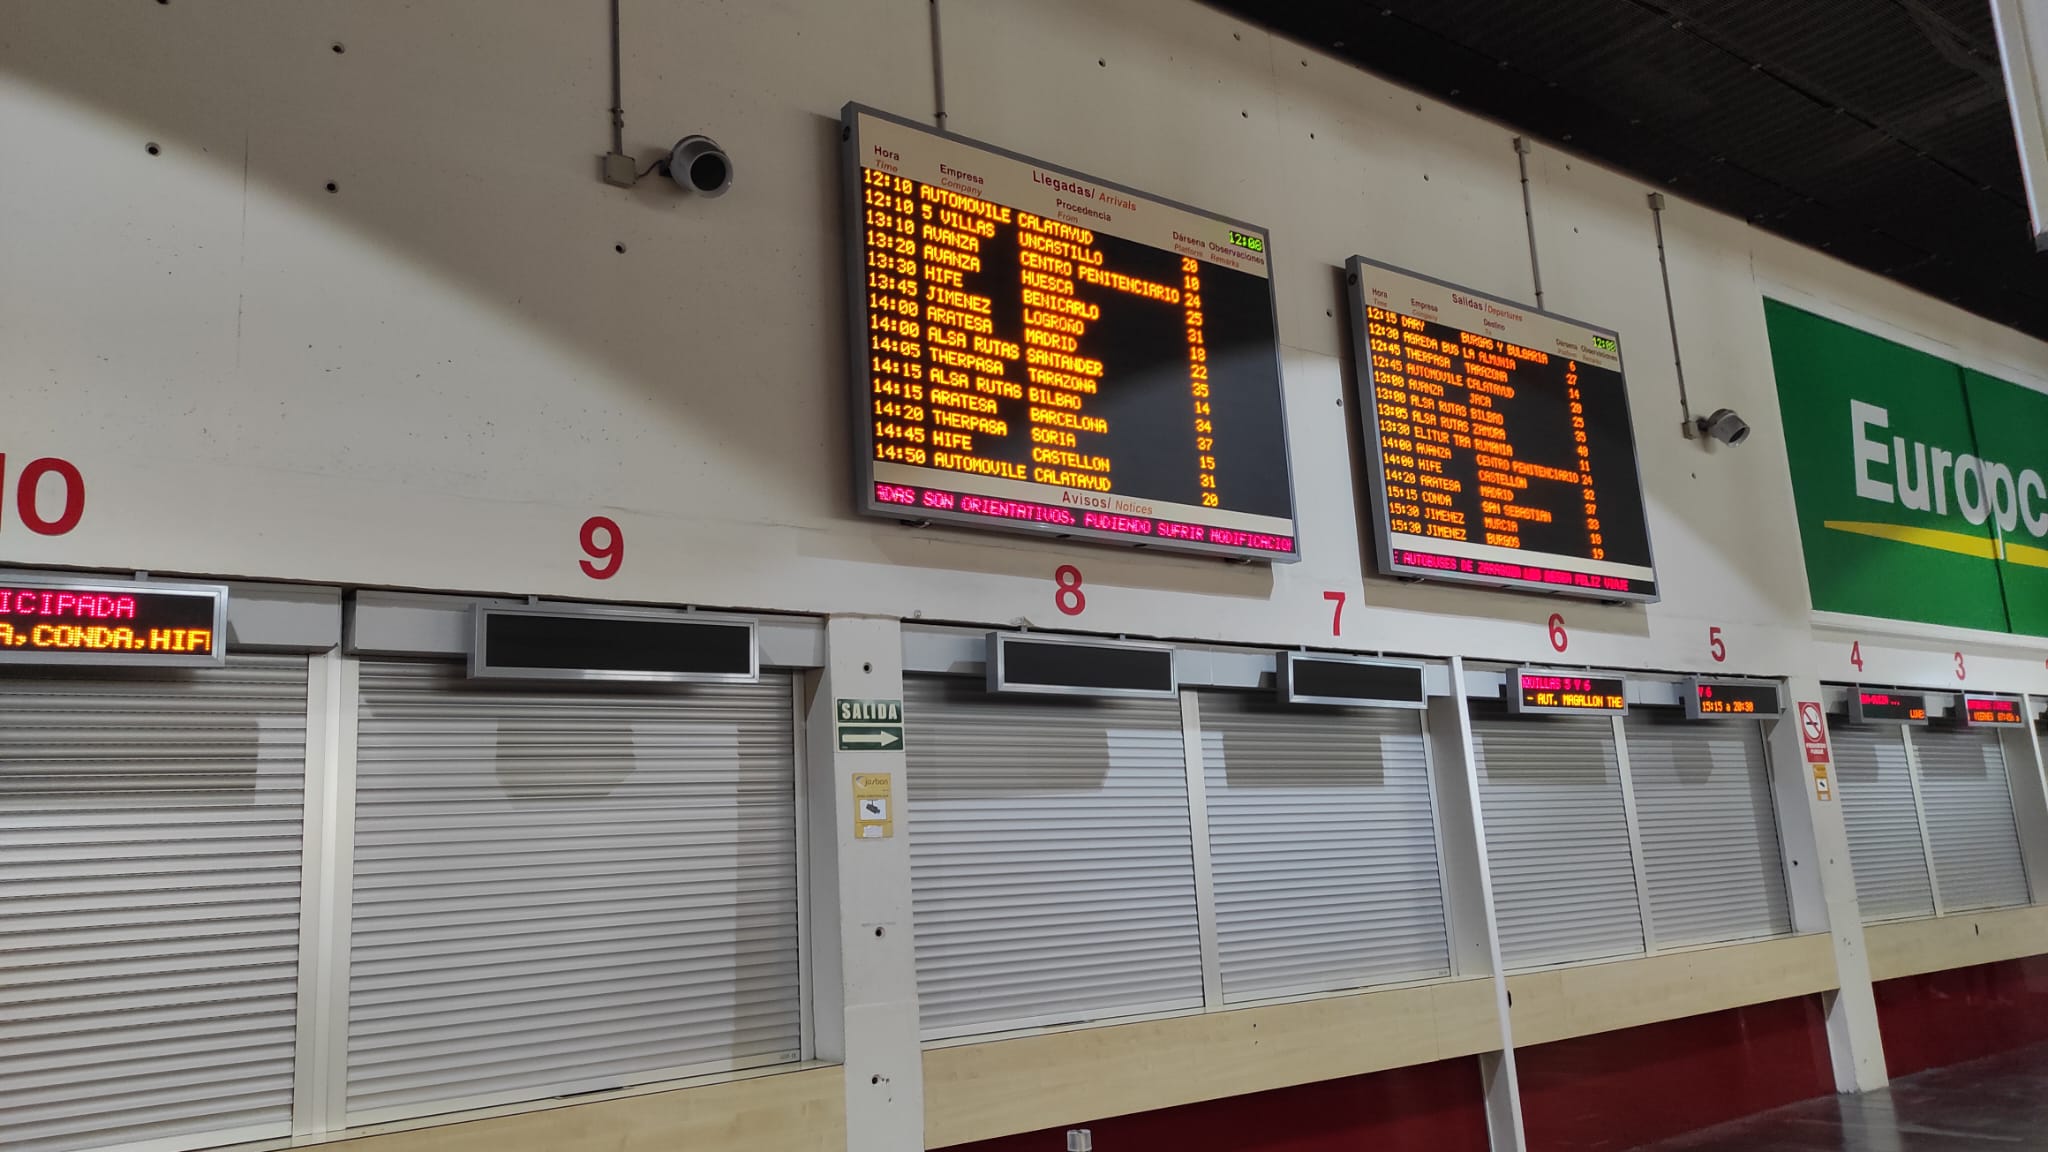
(1037, 350)
(1499, 443)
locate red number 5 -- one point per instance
(1714, 645)
(609, 555)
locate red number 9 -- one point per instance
(609, 555)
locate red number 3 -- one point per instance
(609, 555)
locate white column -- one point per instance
(1823, 888)
(1468, 896)
(2022, 748)
(864, 972)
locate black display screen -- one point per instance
(1501, 445)
(1050, 665)
(111, 624)
(613, 647)
(1322, 681)
(1042, 351)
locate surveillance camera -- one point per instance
(698, 165)
(1724, 425)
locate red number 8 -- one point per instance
(1069, 599)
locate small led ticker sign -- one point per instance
(1036, 350)
(1973, 711)
(1723, 699)
(81, 623)
(1546, 692)
(1499, 440)
(1869, 706)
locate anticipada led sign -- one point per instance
(1927, 478)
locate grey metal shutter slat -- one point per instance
(1564, 881)
(1322, 846)
(1052, 862)
(150, 833)
(1969, 819)
(558, 890)
(1710, 833)
(1885, 850)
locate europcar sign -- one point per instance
(1921, 485)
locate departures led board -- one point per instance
(66, 622)
(1500, 446)
(1041, 351)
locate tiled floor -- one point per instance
(1999, 1104)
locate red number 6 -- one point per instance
(1559, 639)
(609, 554)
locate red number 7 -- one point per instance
(1336, 614)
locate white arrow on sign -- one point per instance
(878, 739)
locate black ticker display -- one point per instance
(1978, 711)
(1041, 351)
(1706, 699)
(1500, 442)
(1547, 692)
(81, 623)
(1869, 705)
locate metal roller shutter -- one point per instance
(559, 890)
(1885, 849)
(1564, 882)
(1709, 830)
(151, 825)
(1052, 863)
(1322, 846)
(1969, 819)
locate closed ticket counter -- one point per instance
(1052, 862)
(1557, 838)
(151, 823)
(1930, 818)
(560, 889)
(1323, 846)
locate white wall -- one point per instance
(431, 377)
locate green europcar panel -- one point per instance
(2012, 439)
(1872, 431)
